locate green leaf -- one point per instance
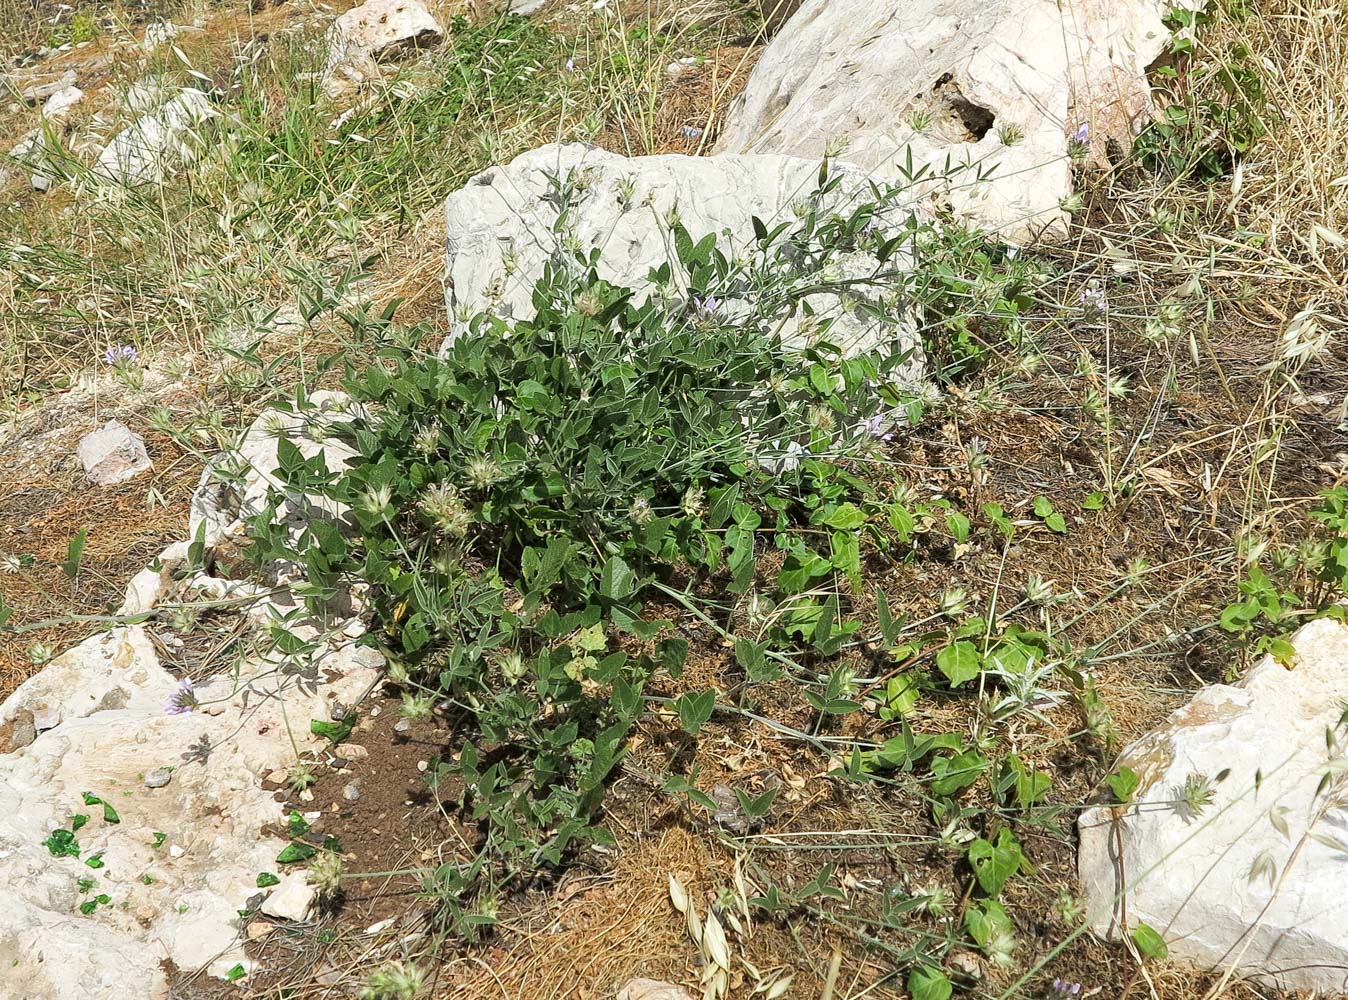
(1149, 943)
(617, 582)
(995, 863)
(927, 983)
(62, 844)
(1093, 501)
(1123, 783)
(846, 516)
(266, 879)
(75, 553)
(695, 709)
(951, 774)
(959, 662)
(334, 732)
(296, 851)
(999, 519)
(236, 973)
(159, 838)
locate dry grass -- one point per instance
(1209, 452)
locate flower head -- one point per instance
(878, 426)
(1082, 133)
(443, 505)
(184, 699)
(706, 308)
(121, 354)
(1062, 988)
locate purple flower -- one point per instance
(1093, 299)
(1082, 134)
(691, 132)
(571, 65)
(706, 308)
(122, 354)
(878, 427)
(1063, 988)
(184, 699)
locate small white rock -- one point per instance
(112, 454)
(175, 851)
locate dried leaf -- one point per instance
(714, 944)
(678, 895)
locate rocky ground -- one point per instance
(1073, 723)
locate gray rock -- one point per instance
(500, 234)
(155, 144)
(376, 30)
(41, 90)
(1234, 838)
(352, 791)
(112, 454)
(951, 81)
(158, 778)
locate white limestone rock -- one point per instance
(377, 30)
(42, 89)
(500, 232)
(157, 143)
(981, 73)
(214, 809)
(112, 454)
(1253, 879)
(235, 487)
(291, 899)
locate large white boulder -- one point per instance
(375, 31)
(178, 899)
(183, 767)
(1001, 84)
(157, 143)
(1234, 844)
(502, 229)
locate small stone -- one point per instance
(306, 796)
(213, 710)
(402, 725)
(422, 765)
(158, 778)
(175, 851)
(351, 792)
(338, 712)
(112, 454)
(259, 929)
(290, 900)
(354, 751)
(340, 763)
(145, 913)
(374, 712)
(41, 91)
(22, 732)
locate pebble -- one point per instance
(374, 712)
(158, 778)
(422, 765)
(402, 725)
(259, 929)
(175, 851)
(354, 751)
(351, 792)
